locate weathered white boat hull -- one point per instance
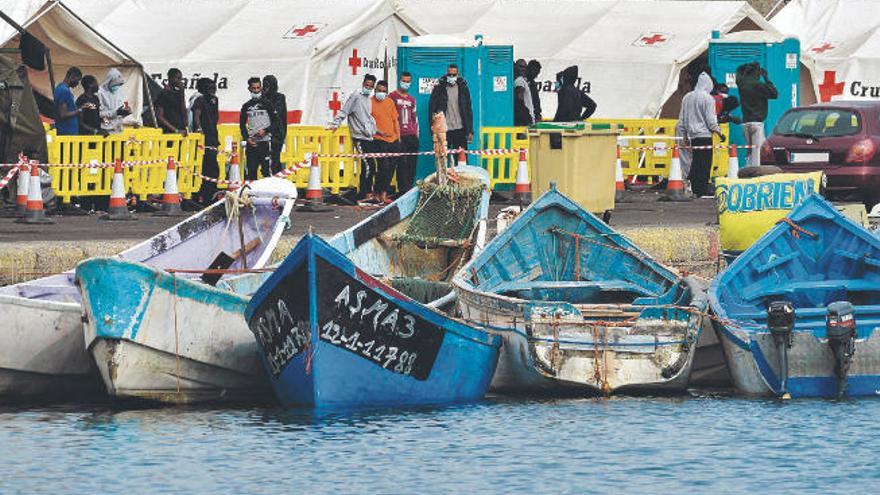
(42, 350)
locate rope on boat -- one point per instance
(797, 230)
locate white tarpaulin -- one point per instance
(71, 42)
(630, 53)
(840, 44)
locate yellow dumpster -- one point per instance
(579, 157)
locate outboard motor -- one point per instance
(780, 321)
(840, 328)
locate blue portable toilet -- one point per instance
(488, 70)
(779, 56)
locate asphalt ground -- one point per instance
(643, 209)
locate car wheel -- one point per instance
(758, 171)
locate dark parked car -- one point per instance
(839, 138)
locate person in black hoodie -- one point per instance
(533, 70)
(258, 122)
(452, 97)
(574, 104)
(205, 115)
(279, 103)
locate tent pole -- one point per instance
(12, 23)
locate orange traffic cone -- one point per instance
(34, 208)
(522, 191)
(118, 209)
(24, 178)
(171, 198)
(619, 186)
(733, 164)
(314, 191)
(234, 176)
(462, 158)
(675, 184)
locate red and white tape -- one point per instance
(8, 177)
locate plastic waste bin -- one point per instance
(580, 157)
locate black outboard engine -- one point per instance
(840, 328)
(780, 321)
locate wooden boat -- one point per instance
(797, 311)
(358, 321)
(172, 336)
(580, 308)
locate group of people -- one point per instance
(98, 110)
(573, 103)
(383, 122)
(708, 105)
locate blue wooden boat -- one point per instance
(580, 308)
(358, 321)
(797, 311)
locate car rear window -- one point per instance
(819, 122)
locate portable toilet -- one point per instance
(779, 56)
(487, 68)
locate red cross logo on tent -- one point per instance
(824, 47)
(354, 62)
(334, 104)
(303, 31)
(830, 87)
(652, 39)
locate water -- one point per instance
(620, 445)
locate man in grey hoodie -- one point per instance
(698, 122)
(362, 126)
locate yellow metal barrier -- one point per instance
(502, 168)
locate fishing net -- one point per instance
(444, 213)
(423, 291)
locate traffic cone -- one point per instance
(234, 176)
(522, 191)
(24, 178)
(733, 164)
(314, 191)
(34, 208)
(462, 158)
(171, 198)
(619, 186)
(118, 209)
(675, 184)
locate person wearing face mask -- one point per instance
(407, 117)
(111, 106)
(523, 111)
(386, 140)
(573, 102)
(452, 97)
(279, 103)
(171, 106)
(67, 121)
(358, 109)
(205, 114)
(88, 103)
(698, 124)
(257, 121)
(533, 70)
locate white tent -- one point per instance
(630, 53)
(71, 42)
(840, 44)
(318, 51)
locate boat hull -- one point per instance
(331, 336)
(754, 365)
(160, 338)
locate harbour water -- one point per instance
(699, 443)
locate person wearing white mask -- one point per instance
(113, 108)
(387, 140)
(362, 126)
(257, 122)
(409, 132)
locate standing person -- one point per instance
(257, 120)
(409, 133)
(112, 108)
(572, 102)
(452, 97)
(205, 115)
(89, 105)
(170, 105)
(67, 121)
(698, 123)
(523, 110)
(754, 91)
(387, 139)
(533, 70)
(359, 110)
(279, 103)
